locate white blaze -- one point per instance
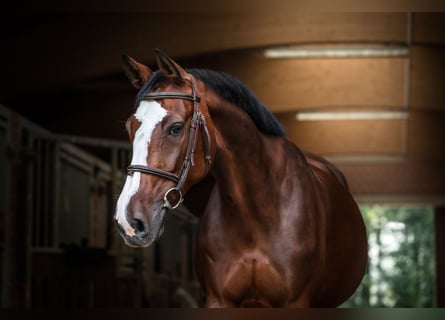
(149, 114)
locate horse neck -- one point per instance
(246, 165)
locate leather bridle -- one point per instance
(197, 122)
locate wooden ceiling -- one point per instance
(44, 52)
(62, 69)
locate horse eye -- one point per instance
(176, 129)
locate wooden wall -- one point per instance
(394, 160)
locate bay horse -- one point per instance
(278, 227)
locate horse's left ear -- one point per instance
(169, 67)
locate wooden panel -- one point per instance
(291, 84)
(346, 137)
(315, 83)
(428, 27)
(426, 134)
(414, 177)
(427, 77)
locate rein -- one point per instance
(197, 122)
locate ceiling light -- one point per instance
(351, 115)
(336, 51)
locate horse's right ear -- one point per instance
(135, 71)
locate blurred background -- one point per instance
(364, 90)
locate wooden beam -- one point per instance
(412, 176)
(345, 137)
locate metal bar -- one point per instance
(114, 179)
(92, 234)
(122, 160)
(78, 156)
(5, 113)
(46, 193)
(114, 169)
(56, 195)
(85, 167)
(37, 131)
(5, 124)
(38, 191)
(29, 201)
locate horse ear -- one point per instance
(135, 71)
(169, 67)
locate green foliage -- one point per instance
(401, 258)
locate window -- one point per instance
(401, 267)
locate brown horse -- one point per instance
(278, 228)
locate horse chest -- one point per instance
(250, 280)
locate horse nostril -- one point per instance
(139, 228)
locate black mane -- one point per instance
(232, 90)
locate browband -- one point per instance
(170, 95)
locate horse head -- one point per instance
(173, 143)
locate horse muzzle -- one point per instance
(142, 231)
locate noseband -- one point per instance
(197, 122)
